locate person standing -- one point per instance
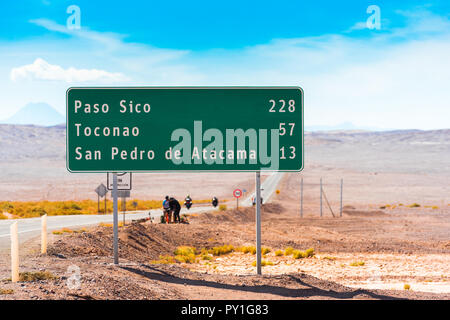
(166, 208)
(175, 207)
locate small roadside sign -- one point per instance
(101, 190)
(122, 193)
(123, 181)
(237, 193)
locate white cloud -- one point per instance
(42, 70)
(397, 78)
(358, 26)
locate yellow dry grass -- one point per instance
(31, 209)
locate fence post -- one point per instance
(301, 199)
(44, 234)
(14, 252)
(321, 197)
(342, 183)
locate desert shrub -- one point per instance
(277, 191)
(329, 258)
(185, 251)
(110, 225)
(297, 254)
(6, 291)
(6, 206)
(288, 251)
(434, 207)
(265, 251)
(414, 205)
(2, 216)
(263, 263)
(36, 212)
(217, 251)
(222, 207)
(164, 260)
(248, 249)
(206, 257)
(309, 252)
(36, 276)
(185, 258)
(185, 254)
(357, 263)
(279, 253)
(406, 286)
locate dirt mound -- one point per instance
(140, 242)
(237, 215)
(364, 213)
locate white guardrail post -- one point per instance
(14, 252)
(44, 234)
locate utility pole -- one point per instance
(321, 197)
(301, 198)
(342, 184)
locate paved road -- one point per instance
(31, 227)
(268, 187)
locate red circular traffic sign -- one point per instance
(237, 193)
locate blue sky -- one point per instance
(395, 77)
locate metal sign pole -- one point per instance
(258, 222)
(115, 220)
(124, 208)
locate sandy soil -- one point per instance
(417, 254)
(399, 245)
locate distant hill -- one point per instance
(41, 114)
(341, 126)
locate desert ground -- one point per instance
(381, 243)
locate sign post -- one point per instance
(124, 208)
(101, 191)
(237, 193)
(258, 221)
(115, 220)
(215, 129)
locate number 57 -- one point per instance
(283, 128)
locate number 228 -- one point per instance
(282, 106)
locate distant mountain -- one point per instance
(41, 114)
(342, 126)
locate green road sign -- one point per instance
(185, 129)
